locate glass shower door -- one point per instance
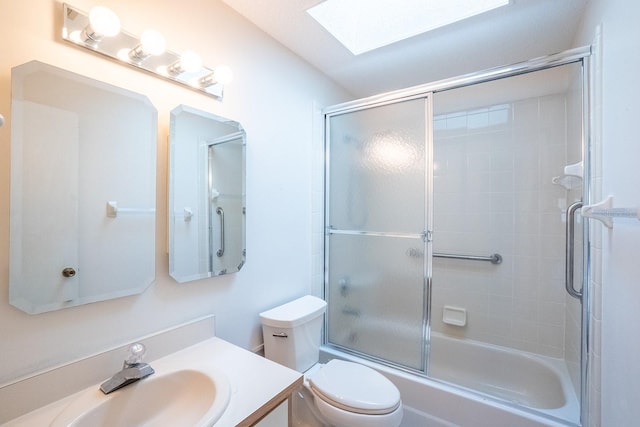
(507, 165)
(375, 232)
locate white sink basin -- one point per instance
(170, 397)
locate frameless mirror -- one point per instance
(82, 190)
(206, 195)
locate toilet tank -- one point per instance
(292, 332)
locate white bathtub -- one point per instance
(495, 387)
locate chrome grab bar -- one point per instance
(493, 258)
(569, 251)
(220, 212)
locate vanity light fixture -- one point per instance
(100, 32)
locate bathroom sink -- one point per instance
(171, 397)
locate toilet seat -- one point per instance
(355, 388)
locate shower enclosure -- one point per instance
(454, 247)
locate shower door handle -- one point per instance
(569, 250)
(220, 212)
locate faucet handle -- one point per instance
(136, 353)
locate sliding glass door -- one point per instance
(508, 163)
(453, 232)
(376, 228)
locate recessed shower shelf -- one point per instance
(605, 212)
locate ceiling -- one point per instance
(523, 30)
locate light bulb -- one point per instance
(189, 62)
(103, 22)
(151, 43)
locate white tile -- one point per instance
(501, 222)
(478, 161)
(552, 291)
(480, 182)
(526, 266)
(501, 306)
(502, 161)
(527, 223)
(526, 309)
(502, 181)
(526, 178)
(526, 288)
(502, 202)
(526, 201)
(526, 113)
(552, 313)
(524, 330)
(552, 246)
(526, 245)
(551, 335)
(501, 286)
(498, 326)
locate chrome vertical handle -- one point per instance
(220, 212)
(569, 250)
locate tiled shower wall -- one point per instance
(493, 193)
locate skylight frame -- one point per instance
(390, 21)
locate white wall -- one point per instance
(273, 95)
(616, 329)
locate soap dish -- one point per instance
(455, 316)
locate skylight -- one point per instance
(364, 25)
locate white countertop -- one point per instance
(257, 384)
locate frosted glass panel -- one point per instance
(377, 168)
(376, 218)
(375, 295)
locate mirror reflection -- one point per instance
(206, 195)
(83, 180)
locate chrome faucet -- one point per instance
(133, 370)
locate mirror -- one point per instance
(83, 179)
(206, 195)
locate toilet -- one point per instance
(343, 394)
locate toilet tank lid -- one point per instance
(294, 313)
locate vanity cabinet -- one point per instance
(278, 417)
(261, 389)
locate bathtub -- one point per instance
(494, 387)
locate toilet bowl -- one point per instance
(344, 394)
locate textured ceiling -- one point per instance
(523, 30)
